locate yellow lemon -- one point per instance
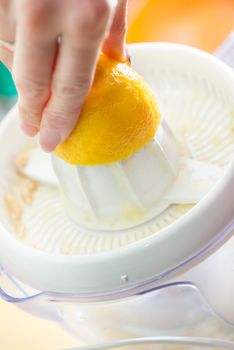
(120, 115)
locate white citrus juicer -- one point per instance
(142, 248)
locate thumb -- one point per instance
(114, 45)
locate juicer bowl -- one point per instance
(195, 92)
(173, 276)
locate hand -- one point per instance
(54, 78)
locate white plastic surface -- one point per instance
(39, 167)
(123, 194)
(106, 197)
(196, 93)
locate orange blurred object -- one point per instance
(200, 23)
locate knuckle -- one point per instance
(4, 6)
(33, 91)
(30, 117)
(101, 9)
(34, 13)
(93, 20)
(75, 90)
(57, 120)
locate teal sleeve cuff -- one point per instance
(7, 87)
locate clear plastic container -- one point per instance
(194, 301)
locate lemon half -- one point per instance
(120, 115)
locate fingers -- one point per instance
(7, 32)
(6, 56)
(114, 45)
(51, 95)
(33, 60)
(74, 70)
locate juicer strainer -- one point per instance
(195, 94)
(186, 263)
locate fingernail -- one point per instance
(128, 58)
(29, 130)
(49, 139)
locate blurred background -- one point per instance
(199, 23)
